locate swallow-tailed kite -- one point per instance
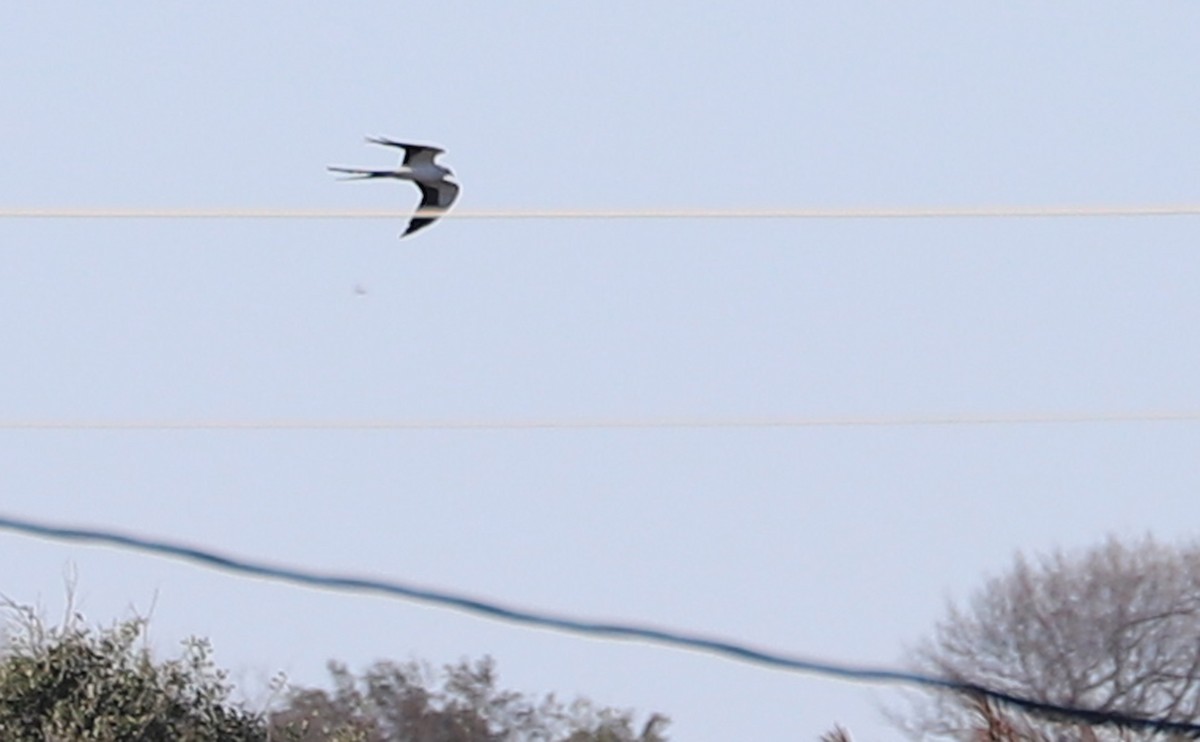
(438, 191)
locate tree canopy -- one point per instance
(71, 683)
(461, 703)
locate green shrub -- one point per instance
(68, 684)
(393, 702)
(73, 684)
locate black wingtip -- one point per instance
(416, 224)
(386, 142)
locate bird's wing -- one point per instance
(420, 154)
(438, 195)
(416, 223)
(435, 197)
(388, 142)
(413, 153)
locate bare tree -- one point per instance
(1115, 628)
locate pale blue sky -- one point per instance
(834, 542)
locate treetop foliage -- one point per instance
(461, 703)
(71, 683)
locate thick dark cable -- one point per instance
(495, 611)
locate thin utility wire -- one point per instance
(680, 423)
(595, 629)
(867, 212)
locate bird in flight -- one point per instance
(438, 191)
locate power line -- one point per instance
(632, 423)
(597, 629)
(866, 212)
